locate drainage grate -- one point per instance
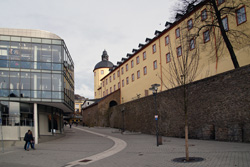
(85, 160)
(191, 159)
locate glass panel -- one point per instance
(57, 67)
(36, 81)
(26, 52)
(46, 53)
(14, 64)
(14, 52)
(26, 39)
(56, 54)
(35, 94)
(14, 112)
(48, 41)
(4, 63)
(46, 66)
(15, 38)
(46, 81)
(46, 95)
(4, 92)
(26, 64)
(26, 117)
(4, 48)
(14, 80)
(35, 65)
(36, 40)
(36, 52)
(56, 95)
(25, 80)
(14, 93)
(5, 38)
(56, 82)
(25, 94)
(4, 80)
(56, 42)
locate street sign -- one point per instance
(156, 117)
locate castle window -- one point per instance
(190, 24)
(145, 70)
(204, 14)
(144, 56)
(206, 36)
(155, 64)
(166, 40)
(168, 57)
(154, 48)
(137, 60)
(225, 23)
(192, 44)
(177, 32)
(118, 73)
(138, 74)
(241, 15)
(122, 70)
(179, 51)
(133, 77)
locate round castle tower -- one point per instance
(101, 69)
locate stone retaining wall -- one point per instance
(218, 109)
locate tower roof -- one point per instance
(105, 63)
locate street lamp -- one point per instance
(123, 127)
(154, 89)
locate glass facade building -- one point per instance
(36, 70)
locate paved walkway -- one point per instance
(127, 150)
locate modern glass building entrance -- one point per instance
(36, 82)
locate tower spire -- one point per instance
(105, 55)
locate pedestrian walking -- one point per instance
(26, 139)
(70, 124)
(32, 141)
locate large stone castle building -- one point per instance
(188, 36)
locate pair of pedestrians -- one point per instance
(29, 140)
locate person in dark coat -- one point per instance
(26, 139)
(30, 140)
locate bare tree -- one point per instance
(232, 38)
(182, 69)
(183, 63)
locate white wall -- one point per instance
(43, 123)
(14, 132)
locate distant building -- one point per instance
(89, 102)
(36, 83)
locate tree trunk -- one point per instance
(224, 35)
(186, 142)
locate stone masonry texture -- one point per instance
(218, 109)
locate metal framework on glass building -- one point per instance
(36, 83)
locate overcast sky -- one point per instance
(90, 26)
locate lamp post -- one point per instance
(154, 89)
(123, 127)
